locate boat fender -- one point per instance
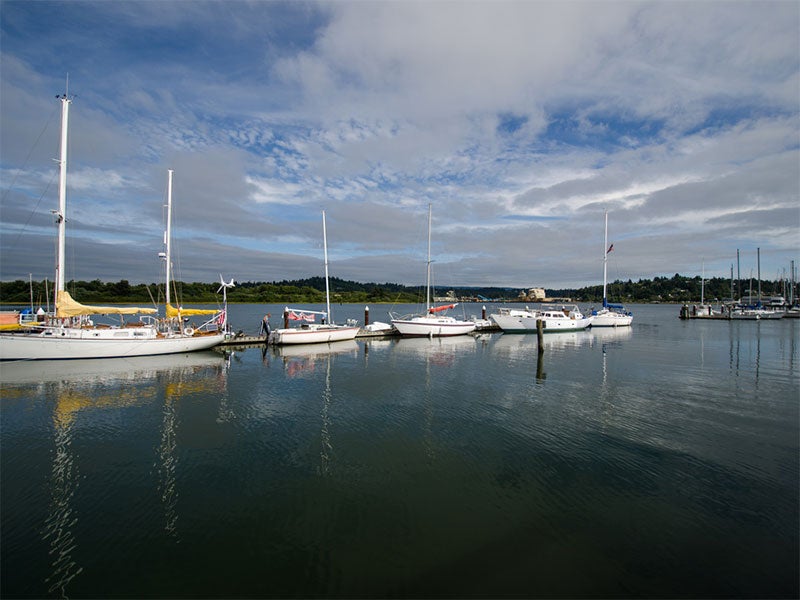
(188, 331)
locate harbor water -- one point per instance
(659, 460)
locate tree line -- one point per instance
(312, 291)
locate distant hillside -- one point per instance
(659, 289)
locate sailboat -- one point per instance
(431, 323)
(177, 315)
(751, 310)
(310, 332)
(611, 315)
(70, 333)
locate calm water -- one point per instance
(658, 461)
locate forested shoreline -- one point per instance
(312, 290)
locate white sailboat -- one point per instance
(177, 315)
(310, 332)
(431, 324)
(70, 333)
(702, 310)
(611, 315)
(756, 311)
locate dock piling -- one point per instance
(540, 335)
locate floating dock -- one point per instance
(245, 339)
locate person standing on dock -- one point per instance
(265, 328)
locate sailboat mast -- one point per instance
(168, 234)
(738, 276)
(325, 251)
(758, 256)
(703, 283)
(605, 260)
(61, 215)
(428, 270)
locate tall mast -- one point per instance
(428, 271)
(325, 250)
(738, 275)
(61, 215)
(703, 283)
(168, 233)
(605, 260)
(758, 255)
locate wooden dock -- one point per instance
(246, 339)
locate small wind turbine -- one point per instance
(224, 289)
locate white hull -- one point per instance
(756, 314)
(432, 326)
(313, 334)
(610, 318)
(83, 343)
(551, 325)
(559, 320)
(515, 321)
(525, 321)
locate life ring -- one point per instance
(188, 331)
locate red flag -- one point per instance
(610, 248)
(309, 317)
(293, 316)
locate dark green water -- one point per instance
(661, 461)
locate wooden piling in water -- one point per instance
(540, 335)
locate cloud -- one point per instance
(519, 121)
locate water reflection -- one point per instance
(741, 333)
(514, 344)
(610, 335)
(167, 464)
(610, 338)
(62, 518)
(197, 373)
(440, 351)
(81, 388)
(436, 352)
(300, 360)
(105, 371)
(325, 435)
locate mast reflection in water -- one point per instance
(658, 460)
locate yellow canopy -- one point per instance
(67, 307)
(189, 312)
(9, 320)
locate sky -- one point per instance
(519, 122)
